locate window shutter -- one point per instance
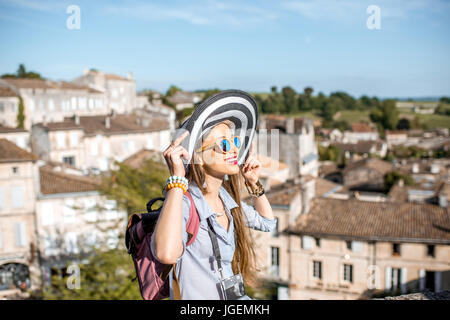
(47, 214)
(356, 246)
(421, 279)
(20, 233)
(2, 199)
(437, 281)
(387, 278)
(403, 280)
(17, 197)
(1, 238)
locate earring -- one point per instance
(225, 177)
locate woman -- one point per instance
(213, 181)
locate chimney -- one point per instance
(130, 75)
(290, 125)
(85, 72)
(443, 201)
(401, 183)
(107, 122)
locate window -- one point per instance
(317, 242)
(69, 212)
(74, 139)
(274, 261)
(69, 160)
(47, 214)
(50, 246)
(396, 277)
(430, 282)
(91, 103)
(20, 233)
(94, 148)
(275, 232)
(396, 249)
(61, 139)
(15, 170)
(317, 269)
(111, 212)
(31, 105)
(91, 239)
(430, 251)
(356, 246)
(17, 197)
(307, 242)
(112, 238)
(348, 272)
(2, 199)
(71, 243)
(51, 105)
(90, 210)
(2, 108)
(105, 148)
(74, 103)
(349, 245)
(82, 103)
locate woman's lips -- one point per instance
(231, 160)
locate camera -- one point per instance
(233, 287)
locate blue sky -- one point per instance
(249, 45)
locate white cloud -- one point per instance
(197, 13)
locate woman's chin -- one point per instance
(232, 168)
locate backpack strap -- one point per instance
(192, 226)
(193, 222)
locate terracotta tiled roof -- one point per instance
(119, 124)
(136, 160)
(10, 129)
(362, 146)
(382, 221)
(361, 127)
(323, 186)
(7, 92)
(183, 97)
(57, 182)
(26, 83)
(10, 152)
(376, 164)
(394, 132)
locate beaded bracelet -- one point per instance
(175, 182)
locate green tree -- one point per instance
(132, 187)
(106, 275)
(393, 176)
(386, 115)
(171, 91)
(20, 115)
(289, 99)
(333, 105)
(22, 73)
(274, 102)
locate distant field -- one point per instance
(353, 116)
(435, 120)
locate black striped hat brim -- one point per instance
(237, 106)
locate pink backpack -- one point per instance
(152, 274)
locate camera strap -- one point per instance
(215, 246)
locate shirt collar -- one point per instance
(227, 199)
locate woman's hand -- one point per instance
(173, 155)
(251, 169)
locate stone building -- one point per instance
(328, 248)
(360, 132)
(19, 186)
(20, 137)
(9, 106)
(290, 140)
(94, 142)
(48, 101)
(120, 92)
(72, 217)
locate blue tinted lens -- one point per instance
(225, 145)
(237, 142)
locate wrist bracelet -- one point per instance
(259, 191)
(175, 182)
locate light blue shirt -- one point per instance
(197, 268)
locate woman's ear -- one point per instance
(198, 159)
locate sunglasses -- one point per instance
(223, 144)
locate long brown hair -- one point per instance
(245, 249)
